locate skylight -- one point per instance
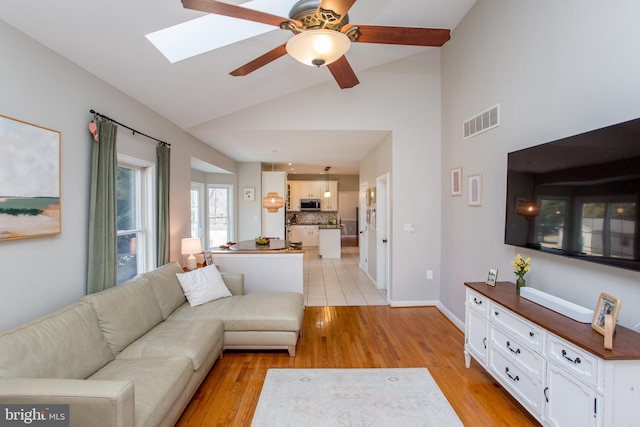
(211, 32)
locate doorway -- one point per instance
(363, 229)
(382, 232)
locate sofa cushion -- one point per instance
(218, 309)
(266, 311)
(158, 382)
(195, 339)
(166, 288)
(67, 343)
(126, 312)
(203, 285)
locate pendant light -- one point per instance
(272, 202)
(327, 193)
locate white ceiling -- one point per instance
(108, 39)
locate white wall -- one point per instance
(557, 69)
(404, 98)
(40, 87)
(249, 213)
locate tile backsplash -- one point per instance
(312, 217)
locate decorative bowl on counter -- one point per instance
(262, 240)
(295, 245)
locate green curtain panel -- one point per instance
(162, 210)
(102, 269)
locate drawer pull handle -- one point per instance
(515, 379)
(496, 313)
(477, 301)
(531, 334)
(484, 342)
(546, 396)
(577, 360)
(516, 351)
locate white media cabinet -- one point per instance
(555, 367)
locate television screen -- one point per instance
(578, 196)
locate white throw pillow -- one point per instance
(203, 285)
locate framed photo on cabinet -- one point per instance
(607, 305)
(492, 276)
(475, 190)
(456, 182)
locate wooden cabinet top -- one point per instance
(626, 343)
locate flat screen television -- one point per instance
(578, 196)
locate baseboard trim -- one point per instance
(431, 303)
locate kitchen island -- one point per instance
(329, 241)
(272, 267)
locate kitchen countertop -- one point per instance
(275, 246)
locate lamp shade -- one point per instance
(272, 202)
(318, 47)
(528, 210)
(191, 245)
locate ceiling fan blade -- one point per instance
(343, 73)
(401, 35)
(261, 61)
(339, 7)
(233, 11)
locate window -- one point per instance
(133, 209)
(197, 210)
(220, 214)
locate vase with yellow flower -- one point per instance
(520, 268)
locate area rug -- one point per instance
(352, 397)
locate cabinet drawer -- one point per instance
(528, 333)
(477, 302)
(526, 389)
(516, 352)
(579, 363)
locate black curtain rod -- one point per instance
(96, 114)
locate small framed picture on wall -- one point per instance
(475, 190)
(456, 182)
(249, 194)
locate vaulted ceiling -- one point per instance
(108, 39)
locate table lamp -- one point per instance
(190, 246)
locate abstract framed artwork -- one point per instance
(29, 180)
(475, 190)
(249, 194)
(456, 182)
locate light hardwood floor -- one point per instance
(360, 337)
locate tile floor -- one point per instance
(331, 282)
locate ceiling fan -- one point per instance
(322, 34)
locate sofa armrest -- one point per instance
(235, 282)
(91, 403)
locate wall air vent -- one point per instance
(484, 121)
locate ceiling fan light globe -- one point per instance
(318, 47)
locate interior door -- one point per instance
(382, 232)
(363, 229)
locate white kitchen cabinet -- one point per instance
(307, 234)
(330, 204)
(293, 195)
(555, 367)
(309, 189)
(329, 242)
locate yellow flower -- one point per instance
(521, 266)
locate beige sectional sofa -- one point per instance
(134, 355)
